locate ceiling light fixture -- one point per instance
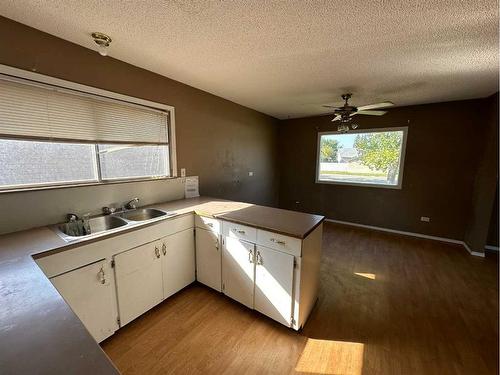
(103, 41)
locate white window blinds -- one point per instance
(39, 111)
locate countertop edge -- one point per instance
(252, 224)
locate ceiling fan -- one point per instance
(344, 114)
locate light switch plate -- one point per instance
(250, 174)
(425, 219)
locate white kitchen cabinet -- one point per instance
(89, 291)
(270, 272)
(178, 261)
(238, 270)
(208, 223)
(278, 275)
(279, 242)
(274, 284)
(139, 282)
(208, 258)
(239, 231)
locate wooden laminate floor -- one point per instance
(388, 304)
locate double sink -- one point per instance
(101, 225)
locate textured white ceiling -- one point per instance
(287, 58)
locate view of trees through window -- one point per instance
(361, 157)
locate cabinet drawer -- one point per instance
(177, 224)
(239, 231)
(208, 223)
(279, 242)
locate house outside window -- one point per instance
(373, 157)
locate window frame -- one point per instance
(36, 78)
(399, 185)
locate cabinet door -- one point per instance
(274, 284)
(89, 292)
(178, 261)
(208, 258)
(238, 270)
(138, 280)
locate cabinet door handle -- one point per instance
(164, 249)
(259, 259)
(157, 251)
(279, 242)
(102, 276)
(250, 256)
(217, 244)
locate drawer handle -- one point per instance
(211, 225)
(240, 231)
(279, 242)
(164, 249)
(157, 252)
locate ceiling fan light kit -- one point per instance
(345, 113)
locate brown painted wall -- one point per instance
(444, 141)
(486, 180)
(218, 140)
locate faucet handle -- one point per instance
(71, 217)
(108, 210)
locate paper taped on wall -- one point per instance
(191, 187)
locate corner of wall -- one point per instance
(485, 181)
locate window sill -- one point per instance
(77, 185)
(360, 184)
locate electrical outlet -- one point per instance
(250, 174)
(183, 172)
(425, 219)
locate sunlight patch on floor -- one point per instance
(370, 276)
(331, 357)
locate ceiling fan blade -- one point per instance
(371, 113)
(376, 105)
(337, 118)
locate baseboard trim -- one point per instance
(475, 253)
(411, 234)
(492, 248)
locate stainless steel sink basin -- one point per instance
(102, 225)
(97, 225)
(142, 214)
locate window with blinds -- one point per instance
(56, 136)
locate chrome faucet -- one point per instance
(131, 205)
